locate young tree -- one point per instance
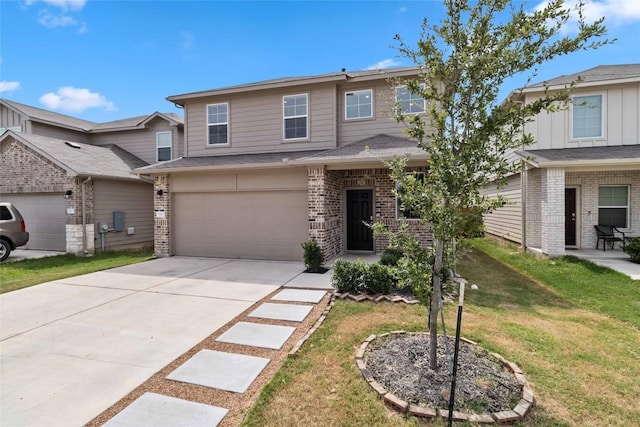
(466, 132)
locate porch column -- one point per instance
(325, 210)
(162, 215)
(552, 210)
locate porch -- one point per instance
(614, 259)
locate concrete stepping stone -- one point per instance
(257, 335)
(299, 295)
(291, 312)
(311, 281)
(216, 369)
(156, 410)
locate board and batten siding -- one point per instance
(256, 122)
(9, 117)
(621, 124)
(135, 199)
(59, 133)
(506, 222)
(382, 122)
(141, 143)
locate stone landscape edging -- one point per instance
(518, 413)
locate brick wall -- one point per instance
(533, 208)
(552, 212)
(162, 216)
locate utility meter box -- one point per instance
(118, 221)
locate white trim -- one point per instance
(627, 207)
(603, 115)
(206, 111)
(352, 92)
(285, 117)
(170, 146)
(424, 101)
(398, 217)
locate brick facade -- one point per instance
(162, 216)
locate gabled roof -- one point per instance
(62, 120)
(342, 76)
(369, 151)
(81, 159)
(602, 74)
(620, 155)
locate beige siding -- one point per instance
(140, 143)
(506, 222)
(9, 117)
(255, 122)
(259, 214)
(59, 133)
(621, 112)
(135, 200)
(350, 131)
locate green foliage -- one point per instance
(391, 256)
(633, 249)
(360, 277)
(313, 257)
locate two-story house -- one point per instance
(268, 165)
(70, 177)
(583, 169)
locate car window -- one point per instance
(5, 214)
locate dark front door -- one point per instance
(359, 209)
(570, 216)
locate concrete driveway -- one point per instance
(71, 348)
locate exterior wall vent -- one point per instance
(73, 144)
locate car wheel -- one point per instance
(5, 249)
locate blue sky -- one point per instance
(107, 60)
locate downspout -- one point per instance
(523, 201)
(84, 217)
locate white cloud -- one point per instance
(49, 20)
(73, 99)
(385, 63)
(62, 4)
(9, 86)
(615, 12)
(187, 40)
(402, 9)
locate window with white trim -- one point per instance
(358, 104)
(587, 117)
(407, 213)
(295, 116)
(409, 102)
(613, 205)
(218, 124)
(163, 146)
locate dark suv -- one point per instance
(13, 231)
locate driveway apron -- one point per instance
(71, 348)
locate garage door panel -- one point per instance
(44, 215)
(249, 224)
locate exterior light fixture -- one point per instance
(159, 193)
(67, 194)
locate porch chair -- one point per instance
(607, 233)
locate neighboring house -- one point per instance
(269, 165)
(584, 168)
(63, 172)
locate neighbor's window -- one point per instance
(218, 123)
(296, 115)
(163, 146)
(587, 116)
(409, 102)
(358, 104)
(407, 213)
(613, 205)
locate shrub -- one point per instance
(347, 276)
(378, 279)
(633, 249)
(391, 256)
(360, 277)
(313, 257)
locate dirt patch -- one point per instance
(400, 363)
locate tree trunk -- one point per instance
(435, 306)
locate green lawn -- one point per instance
(21, 274)
(569, 325)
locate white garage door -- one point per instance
(247, 224)
(44, 215)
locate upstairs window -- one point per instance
(163, 146)
(409, 102)
(407, 213)
(613, 205)
(218, 124)
(296, 116)
(587, 116)
(358, 104)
